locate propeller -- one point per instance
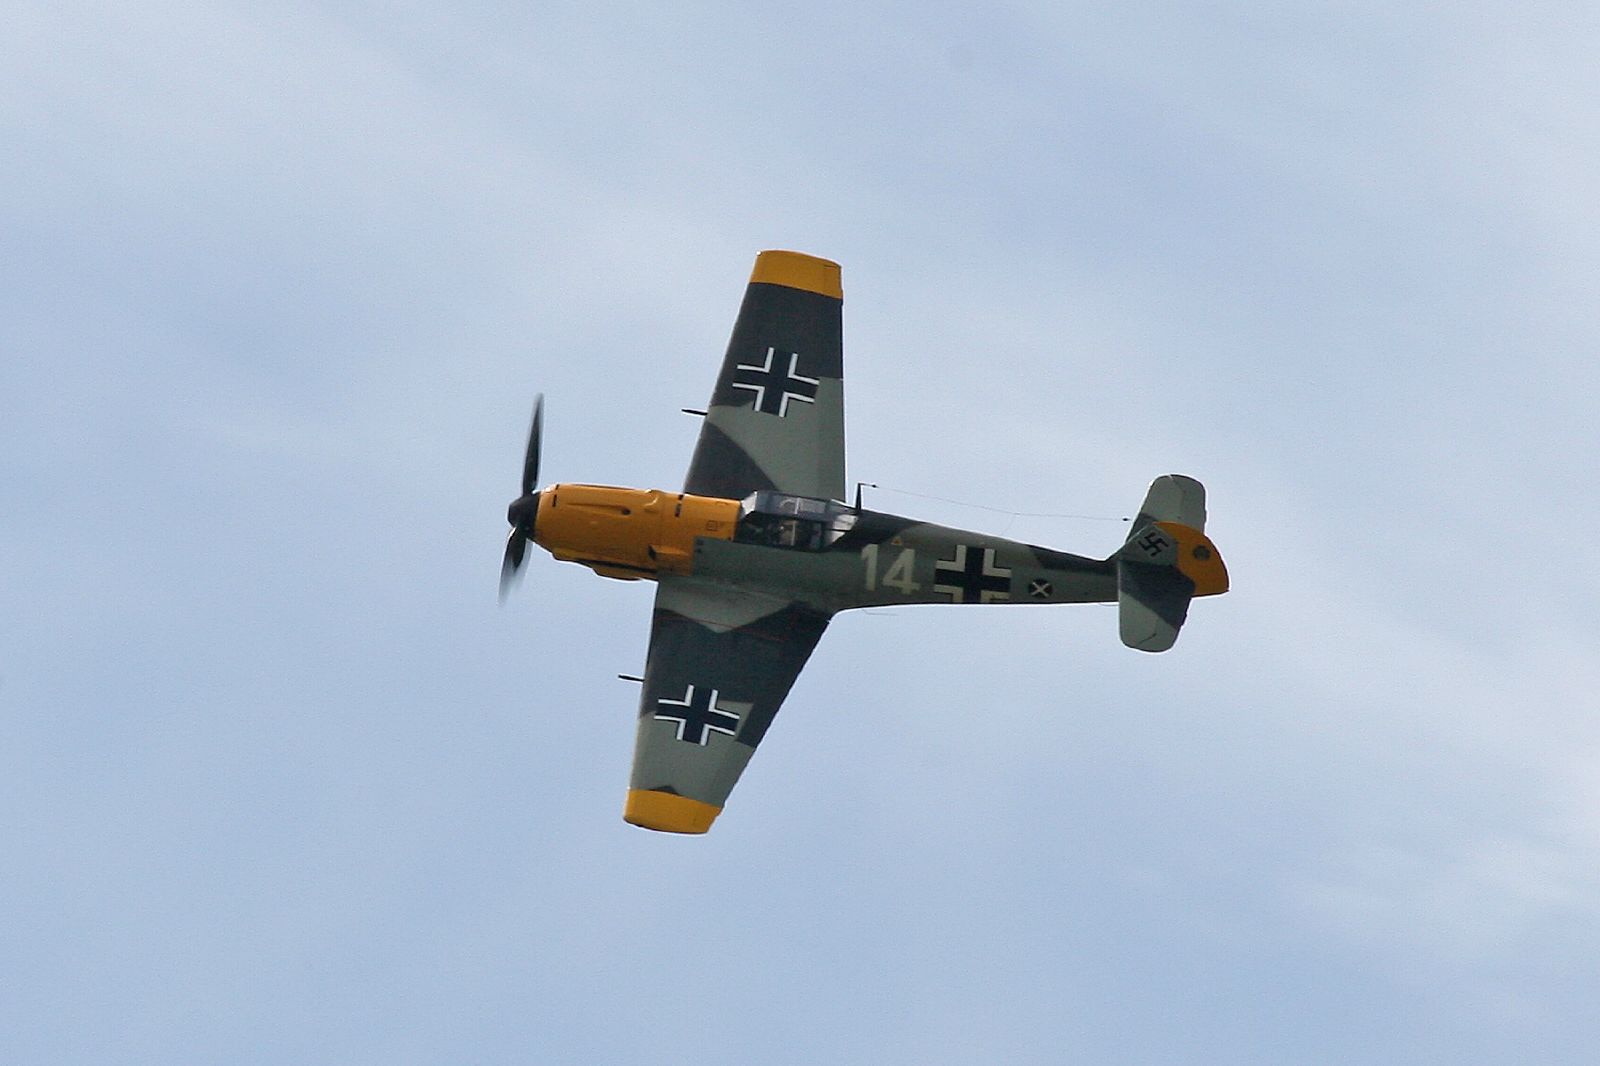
(523, 513)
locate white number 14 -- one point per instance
(897, 577)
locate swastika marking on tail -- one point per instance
(1154, 543)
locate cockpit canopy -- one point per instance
(779, 520)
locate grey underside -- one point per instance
(746, 646)
(888, 560)
(745, 623)
(748, 620)
(747, 642)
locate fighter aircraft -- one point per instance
(759, 550)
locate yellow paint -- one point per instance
(666, 813)
(1199, 559)
(629, 533)
(799, 271)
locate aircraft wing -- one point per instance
(721, 662)
(776, 417)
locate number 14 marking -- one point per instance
(898, 576)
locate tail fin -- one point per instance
(1168, 561)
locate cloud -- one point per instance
(280, 287)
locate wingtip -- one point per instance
(796, 270)
(665, 812)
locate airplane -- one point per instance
(759, 551)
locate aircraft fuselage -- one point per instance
(827, 554)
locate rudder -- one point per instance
(1167, 562)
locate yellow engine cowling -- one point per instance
(629, 533)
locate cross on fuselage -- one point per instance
(776, 382)
(972, 577)
(697, 716)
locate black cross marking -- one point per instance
(1040, 589)
(971, 577)
(774, 388)
(697, 716)
(1154, 543)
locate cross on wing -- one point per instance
(776, 416)
(774, 389)
(698, 715)
(721, 662)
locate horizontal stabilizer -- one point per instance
(1165, 564)
(1174, 498)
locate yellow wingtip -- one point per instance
(667, 813)
(796, 270)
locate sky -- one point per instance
(281, 782)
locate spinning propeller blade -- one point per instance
(523, 513)
(530, 461)
(516, 546)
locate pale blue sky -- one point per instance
(282, 784)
